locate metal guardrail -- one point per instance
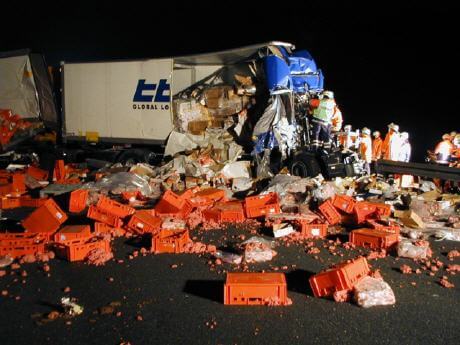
(418, 169)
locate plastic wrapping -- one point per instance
(324, 192)
(371, 292)
(407, 249)
(230, 258)
(236, 170)
(121, 182)
(448, 234)
(427, 186)
(258, 249)
(263, 166)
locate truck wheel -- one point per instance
(305, 165)
(134, 156)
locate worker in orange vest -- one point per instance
(365, 149)
(444, 150)
(377, 146)
(390, 147)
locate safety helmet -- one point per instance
(366, 131)
(347, 128)
(446, 136)
(404, 135)
(376, 134)
(393, 126)
(456, 140)
(453, 134)
(328, 94)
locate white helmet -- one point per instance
(394, 127)
(456, 140)
(328, 94)
(366, 131)
(404, 135)
(376, 134)
(347, 128)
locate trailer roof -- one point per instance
(228, 57)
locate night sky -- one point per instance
(386, 63)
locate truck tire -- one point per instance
(305, 165)
(134, 156)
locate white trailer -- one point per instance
(130, 102)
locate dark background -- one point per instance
(386, 62)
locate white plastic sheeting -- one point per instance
(17, 86)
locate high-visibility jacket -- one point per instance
(444, 150)
(348, 140)
(377, 148)
(365, 148)
(390, 147)
(337, 120)
(325, 110)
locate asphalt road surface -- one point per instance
(160, 304)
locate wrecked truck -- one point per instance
(256, 95)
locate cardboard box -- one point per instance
(410, 219)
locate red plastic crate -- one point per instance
(59, 173)
(45, 219)
(313, 230)
(330, 213)
(364, 210)
(5, 189)
(80, 249)
(206, 197)
(383, 225)
(255, 289)
(26, 201)
(104, 217)
(344, 203)
(72, 232)
(113, 207)
(144, 221)
(19, 239)
(382, 210)
(261, 205)
(18, 251)
(373, 239)
(173, 199)
(225, 212)
(339, 278)
(78, 200)
(18, 184)
(170, 241)
(165, 209)
(102, 228)
(8, 203)
(37, 173)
